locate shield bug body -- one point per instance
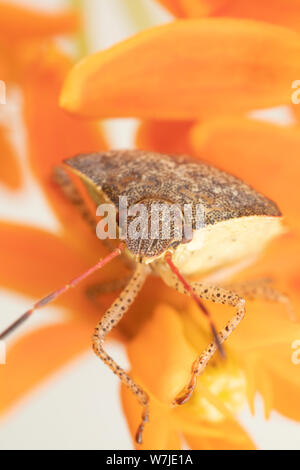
(228, 222)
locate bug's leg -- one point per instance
(69, 190)
(72, 194)
(262, 289)
(232, 295)
(60, 291)
(215, 294)
(112, 316)
(106, 287)
(95, 291)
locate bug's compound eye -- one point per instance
(153, 227)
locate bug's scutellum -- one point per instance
(238, 223)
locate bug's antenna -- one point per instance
(49, 298)
(189, 289)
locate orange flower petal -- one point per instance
(36, 356)
(161, 356)
(187, 69)
(253, 151)
(36, 262)
(159, 433)
(263, 345)
(174, 6)
(265, 326)
(53, 135)
(284, 376)
(263, 342)
(166, 424)
(282, 12)
(282, 265)
(145, 304)
(192, 8)
(19, 22)
(164, 136)
(5, 62)
(266, 323)
(224, 435)
(10, 174)
(295, 108)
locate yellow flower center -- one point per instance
(223, 384)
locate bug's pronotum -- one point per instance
(237, 224)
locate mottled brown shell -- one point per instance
(141, 175)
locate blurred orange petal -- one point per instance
(160, 355)
(10, 174)
(37, 355)
(282, 12)
(267, 324)
(164, 136)
(264, 342)
(145, 304)
(187, 69)
(159, 433)
(256, 334)
(280, 263)
(263, 345)
(295, 108)
(19, 22)
(282, 371)
(262, 154)
(174, 6)
(53, 135)
(195, 8)
(35, 262)
(265, 338)
(223, 435)
(5, 63)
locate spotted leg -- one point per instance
(263, 289)
(231, 295)
(218, 295)
(106, 287)
(107, 323)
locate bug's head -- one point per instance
(153, 227)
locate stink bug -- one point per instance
(237, 223)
